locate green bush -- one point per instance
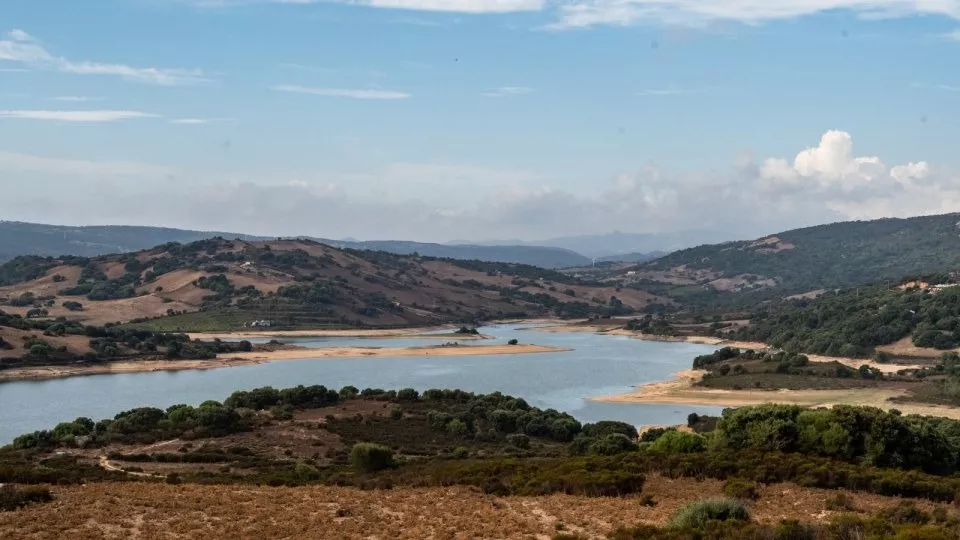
(613, 444)
(512, 342)
(698, 514)
(678, 442)
(519, 440)
(369, 457)
(738, 488)
(460, 452)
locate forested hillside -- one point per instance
(802, 260)
(856, 321)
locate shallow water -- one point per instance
(598, 365)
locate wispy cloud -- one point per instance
(75, 99)
(586, 13)
(505, 91)
(22, 48)
(198, 121)
(352, 93)
(302, 67)
(76, 116)
(41, 164)
(953, 36)
(945, 87)
(670, 91)
(455, 6)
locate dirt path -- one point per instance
(106, 465)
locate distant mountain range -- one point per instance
(17, 238)
(619, 246)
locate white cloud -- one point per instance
(826, 182)
(191, 121)
(505, 91)
(953, 36)
(670, 91)
(12, 161)
(459, 6)
(453, 6)
(75, 99)
(352, 93)
(23, 49)
(76, 116)
(585, 13)
(199, 121)
(19, 35)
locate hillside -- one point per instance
(799, 261)
(18, 238)
(544, 257)
(228, 284)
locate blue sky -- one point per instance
(478, 119)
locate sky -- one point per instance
(436, 120)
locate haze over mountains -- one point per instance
(18, 238)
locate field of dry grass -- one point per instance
(142, 510)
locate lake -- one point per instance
(598, 365)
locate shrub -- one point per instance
(519, 440)
(12, 497)
(840, 502)
(698, 514)
(396, 413)
(606, 427)
(370, 457)
(738, 488)
(512, 342)
(678, 442)
(460, 452)
(613, 444)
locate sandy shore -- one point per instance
(681, 391)
(261, 357)
(134, 366)
(357, 352)
(353, 333)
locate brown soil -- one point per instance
(157, 510)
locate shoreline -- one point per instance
(343, 333)
(40, 373)
(681, 391)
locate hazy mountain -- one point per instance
(609, 246)
(49, 240)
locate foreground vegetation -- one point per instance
(501, 446)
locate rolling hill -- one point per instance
(544, 257)
(17, 238)
(226, 284)
(830, 256)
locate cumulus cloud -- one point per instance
(352, 93)
(22, 48)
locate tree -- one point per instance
(513, 342)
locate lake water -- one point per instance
(598, 365)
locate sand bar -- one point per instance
(261, 357)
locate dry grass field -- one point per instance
(151, 510)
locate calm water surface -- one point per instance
(599, 365)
